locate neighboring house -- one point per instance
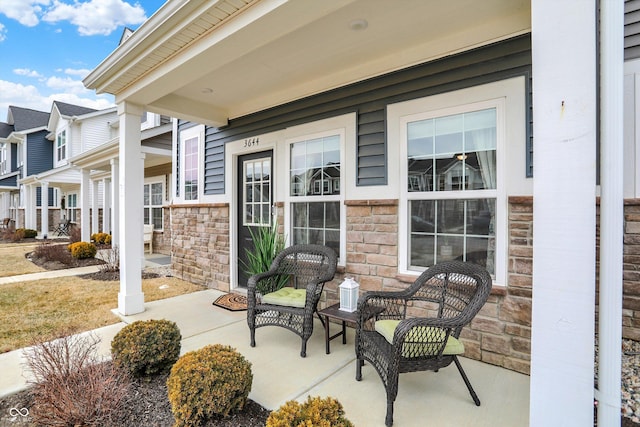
(24, 150)
(400, 134)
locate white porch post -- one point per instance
(564, 125)
(115, 202)
(130, 298)
(95, 214)
(611, 211)
(30, 207)
(106, 206)
(44, 209)
(85, 225)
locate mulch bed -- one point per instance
(148, 406)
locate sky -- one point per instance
(48, 46)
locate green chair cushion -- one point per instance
(421, 340)
(287, 296)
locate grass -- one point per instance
(13, 261)
(45, 308)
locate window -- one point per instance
(153, 211)
(257, 192)
(72, 207)
(315, 178)
(190, 170)
(61, 145)
(3, 159)
(451, 185)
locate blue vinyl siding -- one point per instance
(39, 153)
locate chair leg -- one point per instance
(388, 421)
(474, 396)
(253, 337)
(303, 351)
(359, 363)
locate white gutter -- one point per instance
(611, 211)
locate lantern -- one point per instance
(349, 295)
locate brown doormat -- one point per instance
(233, 302)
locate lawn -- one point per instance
(43, 309)
(13, 262)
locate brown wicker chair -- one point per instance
(452, 293)
(307, 267)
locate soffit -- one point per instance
(242, 56)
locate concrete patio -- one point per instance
(280, 374)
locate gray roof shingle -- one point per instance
(72, 110)
(5, 129)
(26, 118)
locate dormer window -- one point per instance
(61, 145)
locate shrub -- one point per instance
(101, 238)
(17, 235)
(26, 233)
(147, 347)
(82, 250)
(214, 380)
(315, 412)
(72, 386)
(111, 260)
(51, 252)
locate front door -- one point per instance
(255, 200)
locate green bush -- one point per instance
(147, 347)
(101, 238)
(214, 380)
(26, 233)
(82, 250)
(315, 412)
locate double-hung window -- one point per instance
(72, 207)
(153, 198)
(314, 190)
(61, 145)
(451, 184)
(4, 155)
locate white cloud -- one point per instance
(80, 72)
(96, 16)
(66, 84)
(25, 12)
(27, 72)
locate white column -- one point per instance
(130, 298)
(564, 190)
(611, 211)
(44, 209)
(115, 203)
(106, 206)
(30, 207)
(95, 207)
(85, 207)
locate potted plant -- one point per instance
(267, 243)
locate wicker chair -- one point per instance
(308, 268)
(395, 341)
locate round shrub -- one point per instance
(214, 380)
(146, 347)
(27, 233)
(315, 412)
(82, 250)
(101, 238)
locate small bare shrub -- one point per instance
(72, 386)
(17, 235)
(75, 234)
(52, 252)
(111, 260)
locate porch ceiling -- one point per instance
(192, 62)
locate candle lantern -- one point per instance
(349, 295)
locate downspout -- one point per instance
(611, 211)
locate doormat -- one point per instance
(232, 302)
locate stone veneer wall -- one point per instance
(200, 244)
(162, 239)
(631, 271)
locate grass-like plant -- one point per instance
(267, 243)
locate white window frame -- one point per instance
(4, 156)
(62, 147)
(149, 182)
(187, 134)
(72, 208)
(345, 128)
(508, 98)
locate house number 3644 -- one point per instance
(251, 142)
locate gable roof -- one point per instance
(26, 118)
(71, 110)
(5, 129)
